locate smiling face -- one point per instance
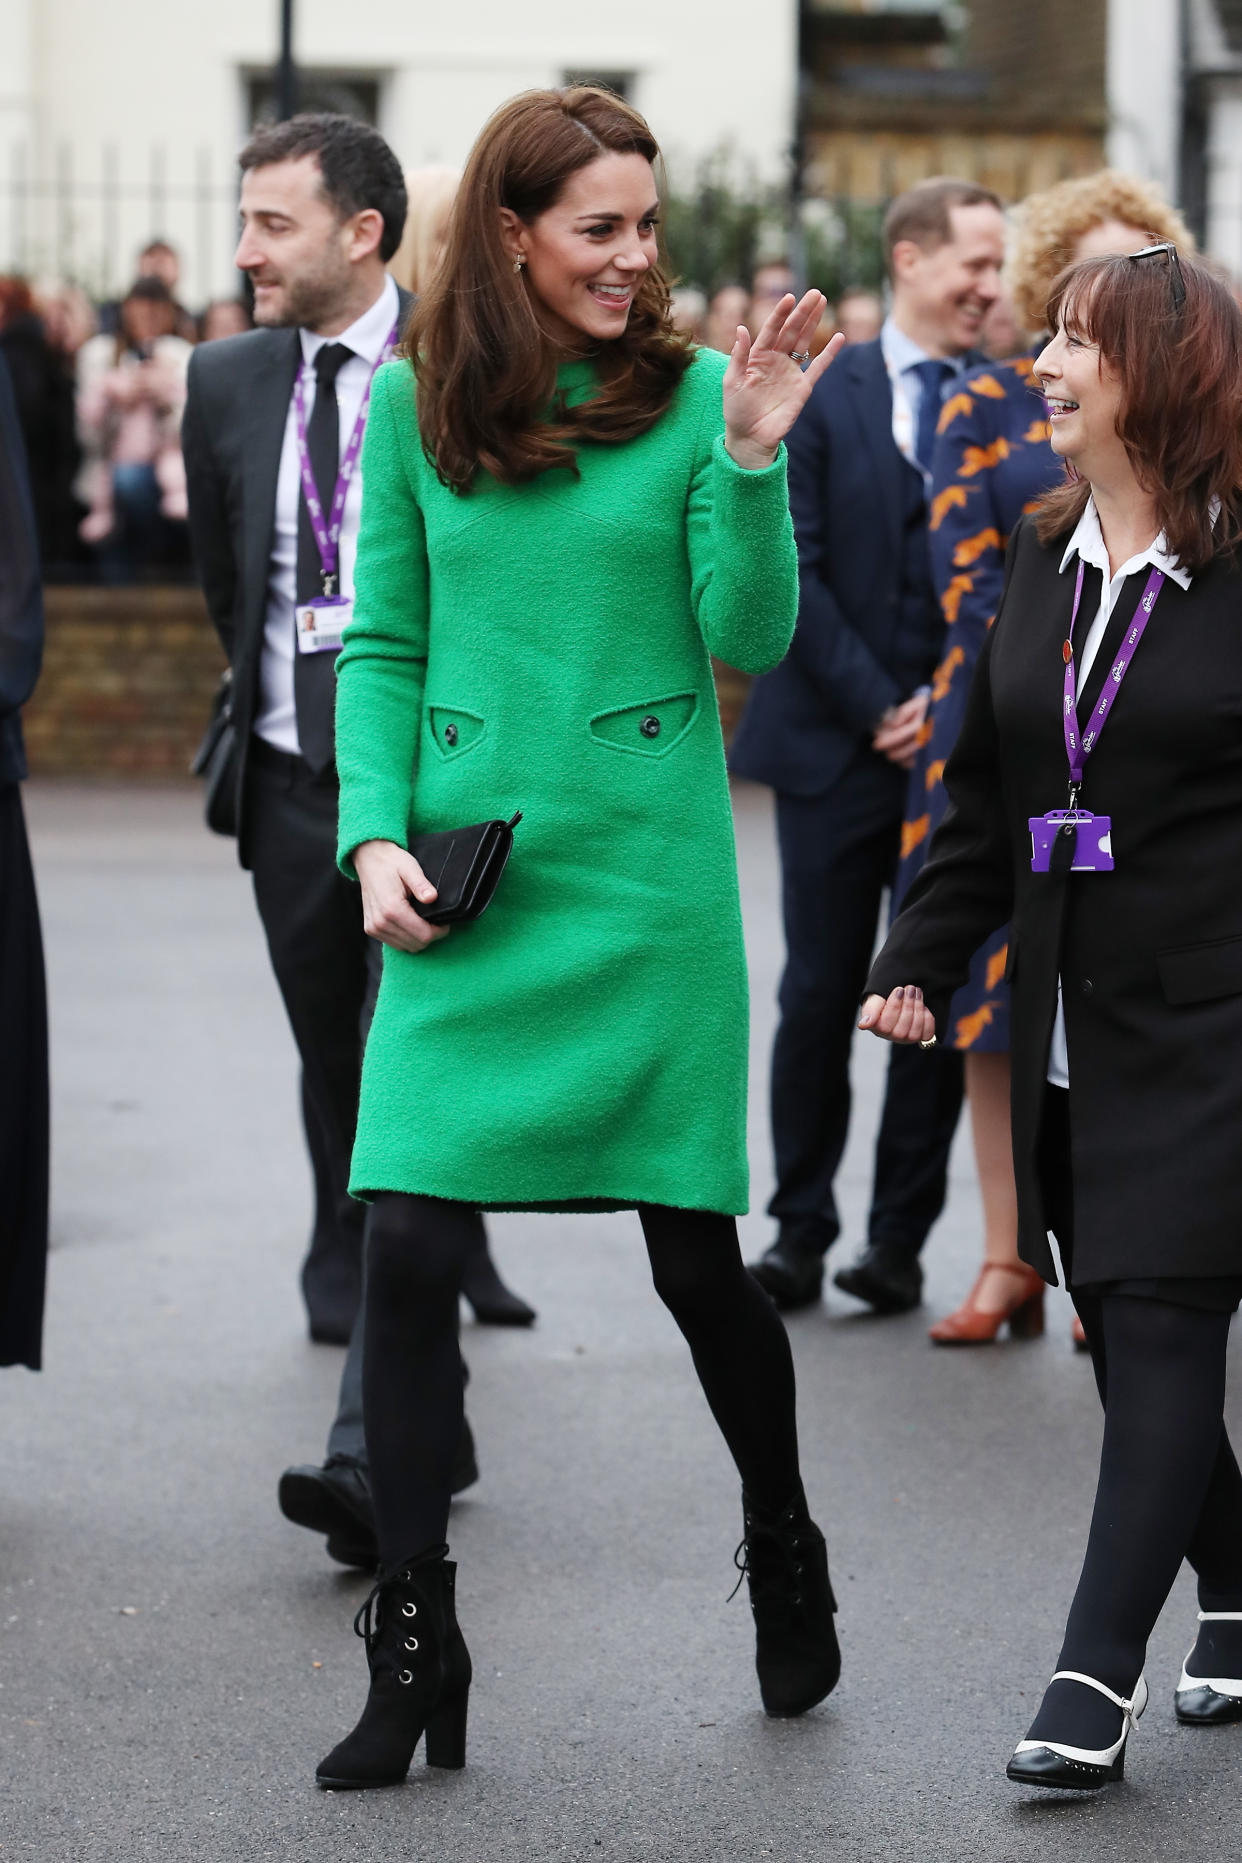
(942, 293)
(304, 260)
(1083, 394)
(586, 255)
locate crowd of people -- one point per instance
(893, 527)
(100, 390)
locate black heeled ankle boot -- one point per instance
(420, 1678)
(785, 1563)
(491, 1302)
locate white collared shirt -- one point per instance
(901, 358)
(1087, 544)
(276, 719)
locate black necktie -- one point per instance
(314, 674)
(932, 374)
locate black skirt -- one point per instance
(23, 1096)
(1211, 1293)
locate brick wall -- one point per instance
(128, 678)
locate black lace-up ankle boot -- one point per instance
(420, 1678)
(785, 1563)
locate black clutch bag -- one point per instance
(464, 865)
(215, 761)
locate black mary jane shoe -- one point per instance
(1209, 1700)
(1078, 1769)
(784, 1561)
(420, 1679)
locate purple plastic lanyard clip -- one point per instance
(327, 531)
(1078, 747)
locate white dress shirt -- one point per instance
(276, 720)
(1087, 544)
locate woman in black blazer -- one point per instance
(1126, 953)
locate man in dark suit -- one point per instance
(323, 205)
(834, 731)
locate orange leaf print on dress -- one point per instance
(913, 834)
(942, 678)
(944, 502)
(970, 549)
(989, 386)
(955, 405)
(981, 458)
(935, 772)
(1037, 432)
(970, 1028)
(951, 598)
(996, 967)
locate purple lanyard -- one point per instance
(1079, 752)
(327, 533)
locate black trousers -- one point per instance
(327, 970)
(838, 855)
(23, 1096)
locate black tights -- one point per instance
(1169, 1489)
(412, 1389)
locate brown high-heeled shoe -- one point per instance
(1023, 1313)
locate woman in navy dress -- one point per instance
(993, 460)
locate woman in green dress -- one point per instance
(568, 509)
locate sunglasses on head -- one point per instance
(1165, 249)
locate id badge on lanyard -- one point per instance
(1073, 840)
(321, 622)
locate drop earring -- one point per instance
(519, 262)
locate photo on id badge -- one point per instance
(321, 624)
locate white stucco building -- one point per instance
(132, 111)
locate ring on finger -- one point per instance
(801, 356)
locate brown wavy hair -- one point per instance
(1181, 395)
(485, 366)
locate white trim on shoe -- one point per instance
(1228, 1685)
(1103, 1757)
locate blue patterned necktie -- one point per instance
(933, 375)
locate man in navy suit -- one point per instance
(834, 731)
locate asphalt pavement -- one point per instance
(175, 1657)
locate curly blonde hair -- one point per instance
(1050, 224)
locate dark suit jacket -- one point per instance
(1150, 955)
(21, 595)
(232, 433)
(805, 721)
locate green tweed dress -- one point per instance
(544, 647)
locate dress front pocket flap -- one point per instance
(454, 731)
(1200, 972)
(650, 729)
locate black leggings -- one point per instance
(412, 1388)
(1169, 1486)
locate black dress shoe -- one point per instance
(887, 1281)
(329, 1331)
(335, 1500)
(791, 1273)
